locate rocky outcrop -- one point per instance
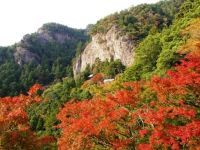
(47, 36)
(23, 56)
(27, 49)
(112, 45)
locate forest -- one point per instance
(152, 105)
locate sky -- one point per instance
(20, 17)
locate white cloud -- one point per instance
(19, 17)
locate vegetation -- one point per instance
(53, 61)
(15, 132)
(159, 51)
(154, 104)
(152, 114)
(109, 68)
(137, 22)
(42, 115)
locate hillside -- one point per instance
(159, 51)
(118, 35)
(152, 103)
(43, 56)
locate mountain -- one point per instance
(152, 104)
(43, 56)
(117, 36)
(50, 41)
(159, 51)
(83, 87)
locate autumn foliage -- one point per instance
(170, 119)
(97, 78)
(162, 113)
(34, 89)
(14, 127)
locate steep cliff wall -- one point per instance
(106, 46)
(116, 35)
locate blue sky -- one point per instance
(19, 17)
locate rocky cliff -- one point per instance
(50, 37)
(116, 35)
(41, 57)
(110, 45)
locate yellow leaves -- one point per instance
(193, 29)
(192, 45)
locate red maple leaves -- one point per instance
(14, 126)
(123, 120)
(160, 113)
(33, 90)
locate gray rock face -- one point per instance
(106, 46)
(23, 56)
(46, 36)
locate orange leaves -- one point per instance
(98, 78)
(46, 140)
(187, 132)
(175, 136)
(159, 116)
(13, 108)
(165, 134)
(33, 90)
(127, 119)
(192, 46)
(125, 97)
(121, 144)
(160, 138)
(144, 147)
(153, 117)
(19, 115)
(185, 78)
(95, 118)
(181, 111)
(143, 132)
(118, 114)
(14, 127)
